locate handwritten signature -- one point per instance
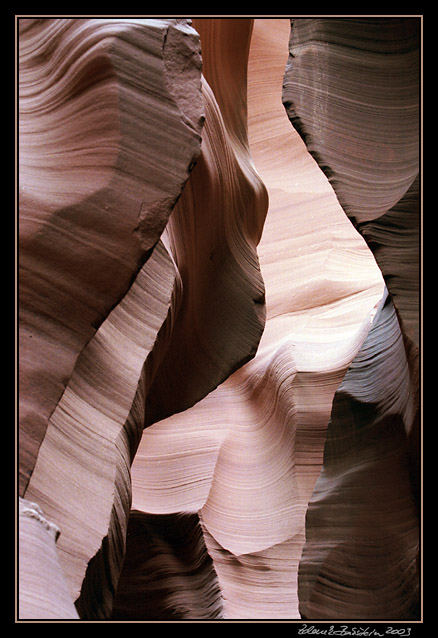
(345, 630)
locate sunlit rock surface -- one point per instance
(199, 316)
(351, 88)
(251, 468)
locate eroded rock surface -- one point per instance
(104, 153)
(351, 89)
(181, 307)
(168, 573)
(251, 468)
(201, 316)
(362, 541)
(42, 588)
(106, 146)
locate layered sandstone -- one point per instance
(351, 88)
(92, 93)
(200, 317)
(251, 468)
(107, 142)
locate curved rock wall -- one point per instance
(168, 573)
(351, 89)
(42, 587)
(209, 361)
(362, 528)
(248, 455)
(92, 204)
(97, 285)
(192, 310)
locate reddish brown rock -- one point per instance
(106, 145)
(167, 572)
(180, 307)
(244, 358)
(362, 530)
(248, 455)
(104, 153)
(352, 91)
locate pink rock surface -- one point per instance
(219, 400)
(42, 588)
(107, 141)
(103, 158)
(251, 468)
(357, 107)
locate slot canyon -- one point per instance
(218, 318)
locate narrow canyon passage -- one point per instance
(219, 393)
(248, 455)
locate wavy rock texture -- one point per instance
(351, 88)
(212, 235)
(167, 574)
(219, 346)
(361, 551)
(247, 456)
(97, 186)
(105, 148)
(97, 412)
(188, 317)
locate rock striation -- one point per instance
(168, 573)
(357, 109)
(251, 469)
(218, 378)
(362, 542)
(96, 282)
(147, 282)
(42, 587)
(92, 206)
